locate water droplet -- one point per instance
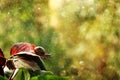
(83, 7)
(39, 8)
(81, 62)
(8, 13)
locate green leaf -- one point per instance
(3, 78)
(22, 74)
(48, 77)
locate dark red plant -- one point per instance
(28, 56)
(2, 62)
(27, 47)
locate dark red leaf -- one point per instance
(1, 71)
(1, 53)
(2, 58)
(2, 62)
(27, 47)
(22, 47)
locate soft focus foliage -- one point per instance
(83, 36)
(48, 77)
(3, 78)
(22, 74)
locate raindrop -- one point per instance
(20, 8)
(8, 13)
(83, 7)
(63, 14)
(39, 8)
(81, 62)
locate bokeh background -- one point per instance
(83, 36)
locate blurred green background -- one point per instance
(83, 36)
